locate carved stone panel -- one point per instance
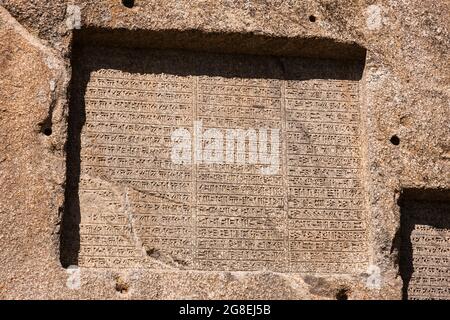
(425, 251)
(215, 162)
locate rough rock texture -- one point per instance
(406, 81)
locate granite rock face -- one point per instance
(120, 178)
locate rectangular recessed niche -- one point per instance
(425, 244)
(128, 204)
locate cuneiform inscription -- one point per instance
(425, 256)
(139, 208)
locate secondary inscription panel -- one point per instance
(425, 256)
(218, 162)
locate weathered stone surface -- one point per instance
(31, 166)
(401, 127)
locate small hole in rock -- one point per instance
(122, 286)
(128, 3)
(152, 252)
(312, 18)
(342, 294)
(395, 140)
(48, 131)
